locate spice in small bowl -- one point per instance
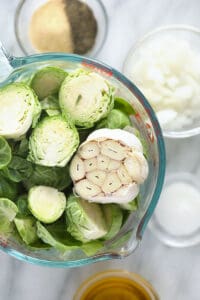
(69, 26)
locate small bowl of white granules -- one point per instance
(165, 65)
(176, 220)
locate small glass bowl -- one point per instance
(184, 32)
(172, 238)
(100, 281)
(26, 8)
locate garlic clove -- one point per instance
(96, 177)
(90, 164)
(111, 183)
(113, 165)
(89, 150)
(102, 162)
(86, 189)
(113, 149)
(77, 169)
(123, 175)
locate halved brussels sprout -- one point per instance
(85, 220)
(53, 142)
(8, 211)
(47, 81)
(47, 204)
(26, 227)
(19, 108)
(114, 216)
(87, 97)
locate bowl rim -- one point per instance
(138, 44)
(90, 53)
(18, 62)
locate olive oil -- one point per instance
(118, 288)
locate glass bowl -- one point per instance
(15, 69)
(121, 280)
(183, 32)
(26, 9)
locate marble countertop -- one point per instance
(175, 273)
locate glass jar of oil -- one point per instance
(116, 285)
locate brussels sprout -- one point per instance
(47, 204)
(114, 216)
(53, 142)
(86, 97)
(85, 220)
(115, 119)
(26, 227)
(5, 153)
(19, 108)
(8, 211)
(50, 106)
(50, 176)
(47, 81)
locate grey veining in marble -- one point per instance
(175, 273)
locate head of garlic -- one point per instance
(109, 167)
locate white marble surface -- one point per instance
(175, 273)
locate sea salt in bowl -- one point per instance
(165, 65)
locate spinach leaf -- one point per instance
(18, 169)
(83, 133)
(115, 119)
(124, 106)
(56, 235)
(8, 189)
(22, 149)
(22, 204)
(49, 176)
(5, 153)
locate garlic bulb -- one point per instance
(109, 167)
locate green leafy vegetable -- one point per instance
(22, 148)
(8, 189)
(51, 106)
(47, 81)
(131, 206)
(114, 216)
(46, 203)
(8, 211)
(53, 142)
(19, 169)
(85, 220)
(5, 153)
(49, 176)
(124, 106)
(22, 204)
(115, 119)
(57, 236)
(19, 110)
(26, 227)
(86, 97)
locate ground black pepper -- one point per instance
(83, 25)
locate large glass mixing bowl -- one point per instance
(126, 241)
